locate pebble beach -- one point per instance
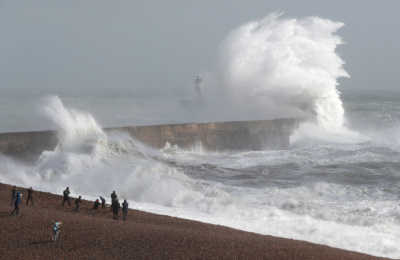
(93, 234)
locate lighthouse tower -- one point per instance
(198, 86)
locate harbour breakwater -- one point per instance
(219, 136)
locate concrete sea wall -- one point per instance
(220, 136)
(27, 145)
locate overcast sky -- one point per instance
(158, 45)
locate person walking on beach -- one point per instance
(56, 230)
(103, 202)
(113, 198)
(13, 193)
(77, 201)
(66, 196)
(116, 207)
(17, 202)
(125, 209)
(30, 196)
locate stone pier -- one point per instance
(219, 136)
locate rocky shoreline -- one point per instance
(93, 234)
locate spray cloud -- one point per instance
(285, 68)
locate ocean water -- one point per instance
(342, 193)
(337, 185)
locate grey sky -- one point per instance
(158, 45)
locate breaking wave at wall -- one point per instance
(286, 68)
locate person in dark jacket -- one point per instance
(96, 204)
(116, 207)
(77, 201)
(17, 202)
(103, 202)
(13, 193)
(113, 197)
(125, 206)
(30, 196)
(66, 196)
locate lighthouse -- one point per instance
(198, 86)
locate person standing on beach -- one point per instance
(77, 201)
(113, 198)
(17, 202)
(125, 209)
(115, 207)
(30, 196)
(56, 230)
(13, 193)
(66, 196)
(103, 202)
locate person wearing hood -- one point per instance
(17, 202)
(96, 204)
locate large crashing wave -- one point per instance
(94, 162)
(72, 126)
(79, 139)
(286, 67)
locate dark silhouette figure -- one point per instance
(96, 204)
(77, 201)
(66, 196)
(13, 194)
(30, 196)
(113, 197)
(116, 207)
(17, 202)
(125, 206)
(103, 202)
